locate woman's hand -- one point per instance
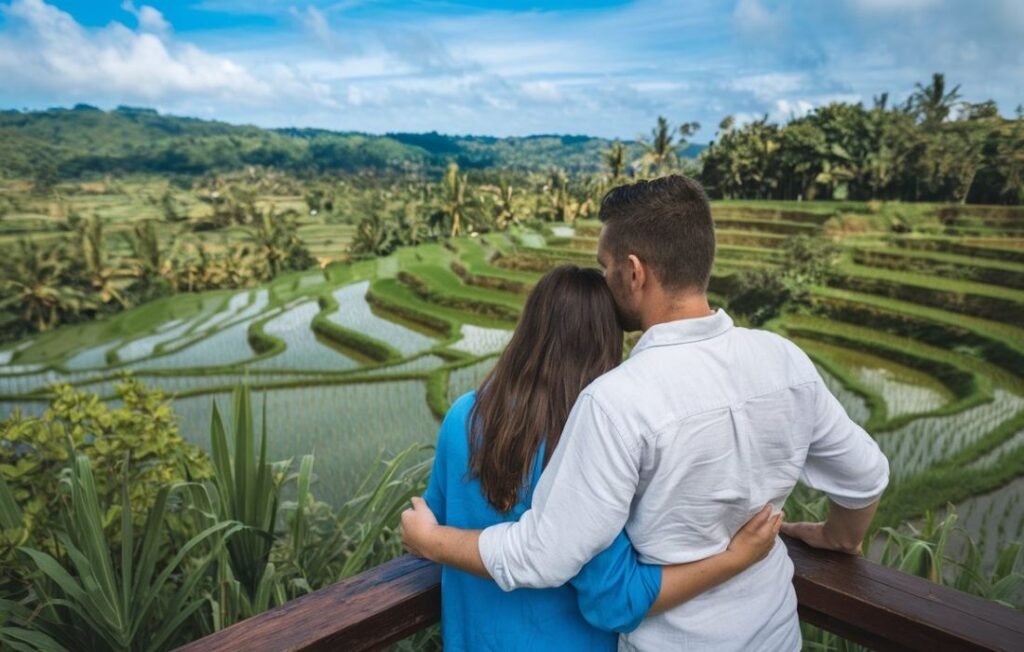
(755, 539)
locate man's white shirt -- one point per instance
(682, 444)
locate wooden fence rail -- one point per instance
(876, 606)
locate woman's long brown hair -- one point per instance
(567, 336)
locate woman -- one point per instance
(493, 445)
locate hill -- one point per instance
(84, 140)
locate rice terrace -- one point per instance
(226, 350)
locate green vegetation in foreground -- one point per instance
(119, 568)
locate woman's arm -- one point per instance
(752, 543)
(615, 591)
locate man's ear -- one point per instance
(638, 275)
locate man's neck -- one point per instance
(676, 307)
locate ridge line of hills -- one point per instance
(85, 140)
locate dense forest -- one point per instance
(82, 141)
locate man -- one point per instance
(681, 444)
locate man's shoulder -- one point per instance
(782, 348)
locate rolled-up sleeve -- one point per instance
(843, 461)
(579, 506)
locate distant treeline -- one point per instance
(931, 147)
(70, 143)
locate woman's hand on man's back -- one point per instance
(755, 540)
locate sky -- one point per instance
(604, 67)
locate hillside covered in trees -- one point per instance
(71, 143)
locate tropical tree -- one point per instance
(35, 284)
(660, 153)
(98, 270)
(149, 256)
(376, 236)
(454, 201)
(277, 241)
(505, 214)
(933, 103)
(615, 159)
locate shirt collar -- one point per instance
(684, 331)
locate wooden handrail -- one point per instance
(366, 612)
(865, 602)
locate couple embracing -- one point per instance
(582, 502)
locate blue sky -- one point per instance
(605, 67)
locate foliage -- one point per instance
(62, 143)
(277, 242)
(215, 549)
(762, 293)
(35, 452)
(932, 147)
(99, 600)
(36, 285)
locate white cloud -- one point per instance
(768, 86)
(48, 52)
(150, 19)
(541, 91)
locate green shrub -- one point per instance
(35, 453)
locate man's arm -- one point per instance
(579, 506)
(844, 462)
(843, 530)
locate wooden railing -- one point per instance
(870, 604)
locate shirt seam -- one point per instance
(631, 447)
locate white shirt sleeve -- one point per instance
(843, 460)
(580, 505)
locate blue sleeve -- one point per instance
(434, 495)
(614, 590)
(451, 437)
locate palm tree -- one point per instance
(562, 206)
(506, 214)
(660, 151)
(34, 283)
(615, 159)
(144, 242)
(277, 241)
(375, 236)
(454, 202)
(98, 271)
(932, 102)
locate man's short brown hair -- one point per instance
(666, 223)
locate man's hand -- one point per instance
(418, 526)
(817, 535)
(756, 539)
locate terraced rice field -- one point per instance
(918, 335)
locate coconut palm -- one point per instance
(34, 283)
(932, 102)
(660, 151)
(376, 236)
(454, 198)
(615, 159)
(98, 270)
(277, 240)
(506, 214)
